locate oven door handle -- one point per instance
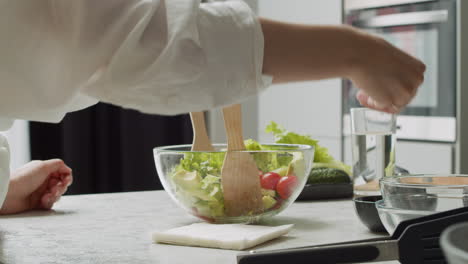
(404, 19)
(365, 4)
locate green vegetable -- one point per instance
(252, 145)
(209, 208)
(190, 183)
(297, 165)
(321, 155)
(283, 136)
(203, 162)
(266, 192)
(212, 185)
(268, 161)
(187, 180)
(282, 171)
(333, 165)
(268, 202)
(328, 175)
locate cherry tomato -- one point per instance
(269, 180)
(286, 186)
(206, 218)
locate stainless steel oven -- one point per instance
(426, 29)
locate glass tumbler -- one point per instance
(373, 149)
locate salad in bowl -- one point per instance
(194, 180)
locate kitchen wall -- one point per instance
(306, 107)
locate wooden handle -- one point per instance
(239, 175)
(201, 141)
(233, 124)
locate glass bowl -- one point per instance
(453, 243)
(425, 192)
(391, 217)
(193, 179)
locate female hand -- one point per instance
(37, 185)
(387, 77)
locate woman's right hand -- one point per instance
(387, 77)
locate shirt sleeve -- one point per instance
(4, 168)
(160, 57)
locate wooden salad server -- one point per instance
(239, 175)
(201, 141)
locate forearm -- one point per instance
(306, 52)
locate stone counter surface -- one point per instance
(117, 227)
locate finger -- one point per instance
(364, 101)
(393, 110)
(52, 182)
(377, 105)
(367, 101)
(57, 195)
(43, 170)
(47, 201)
(59, 189)
(61, 192)
(414, 82)
(56, 166)
(361, 96)
(68, 180)
(401, 98)
(419, 66)
(406, 90)
(55, 188)
(414, 72)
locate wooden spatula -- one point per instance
(240, 180)
(201, 141)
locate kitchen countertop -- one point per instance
(117, 227)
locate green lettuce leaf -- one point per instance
(267, 161)
(321, 155)
(285, 137)
(204, 163)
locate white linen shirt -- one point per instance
(156, 56)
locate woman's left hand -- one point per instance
(37, 185)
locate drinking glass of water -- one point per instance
(373, 148)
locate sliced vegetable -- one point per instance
(268, 202)
(267, 161)
(266, 192)
(283, 171)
